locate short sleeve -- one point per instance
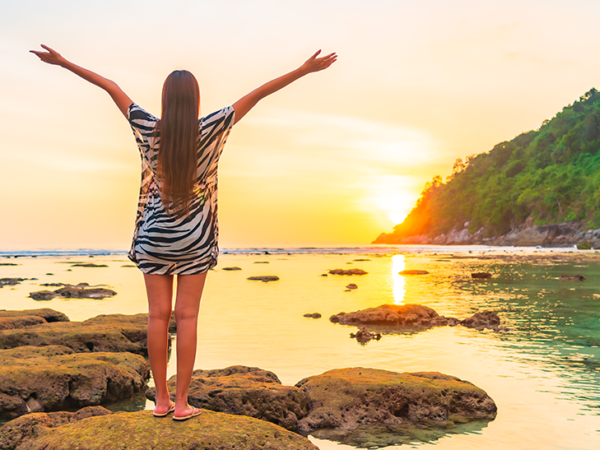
(218, 123)
(143, 124)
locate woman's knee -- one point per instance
(186, 313)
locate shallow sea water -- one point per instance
(544, 374)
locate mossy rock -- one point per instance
(49, 315)
(356, 405)
(141, 431)
(27, 427)
(36, 379)
(247, 391)
(105, 333)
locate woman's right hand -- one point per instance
(50, 56)
(314, 64)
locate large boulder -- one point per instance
(369, 407)
(104, 333)
(247, 391)
(36, 379)
(70, 291)
(27, 427)
(141, 431)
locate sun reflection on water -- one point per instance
(398, 265)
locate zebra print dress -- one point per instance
(164, 244)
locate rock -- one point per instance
(10, 323)
(52, 284)
(88, 265)
(264, 278)
(105, 333)
(8, 264)
(128, 265)
(352, 286)
(399, 317)
(323, 274)
(49, 315)
(313, 315)
(413, 272)
(10, 281)
(361, 259)
(248, 391)
(584, 246)
(30, 426)
(566, 277)
(348, 272)
(141, 431)
(261, 262)
(35, 379)
(481, 275)
(485, 319)
(356, 405)
(363, 335)
(69, 291)
(232, 268)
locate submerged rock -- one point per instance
(247, 391)
(577, 277)
(313, 315)
(104, 333)
(480, 320)
(141, 431)
(363, 335)
(352, 286)
(30, 426)
(264, 278)
(36, 379)
(347, 272)
(413, 272)
(356, 405)
(231, 268)
(88, 265)
(481, 275)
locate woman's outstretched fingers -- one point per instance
(50, 56)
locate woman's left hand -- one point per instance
(50, 56)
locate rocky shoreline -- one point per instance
(49, 364)
(566, 234)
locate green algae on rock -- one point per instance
(105, 333)
(49, 315)
(35, 379)
(141, 431)
(359, 405)
(247, 391)
(14, 433)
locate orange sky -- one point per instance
(336, 158)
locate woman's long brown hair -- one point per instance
(177, 153)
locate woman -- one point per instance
(176, 228)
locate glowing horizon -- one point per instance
(338, 157)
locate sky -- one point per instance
(336, 158)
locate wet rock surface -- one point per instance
(315, 315)
(264, 278)
(348, 272)
(21, 319)
(566, 277)
(413, 317)
(88, 265)
(10, 281)
(231, 268)
(36, 379)
(413, 272)
(351, 286)
(359, 406)
(248, 391)
(141, 431)
(81, 290)
(481, 275)
(104, 333)
(30, 426)
(363, 335)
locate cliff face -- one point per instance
(541, 188)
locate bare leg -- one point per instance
(187, 304)
(160, 296)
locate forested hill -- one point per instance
(549, 176)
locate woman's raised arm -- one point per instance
(312, 64)
(51, 56)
